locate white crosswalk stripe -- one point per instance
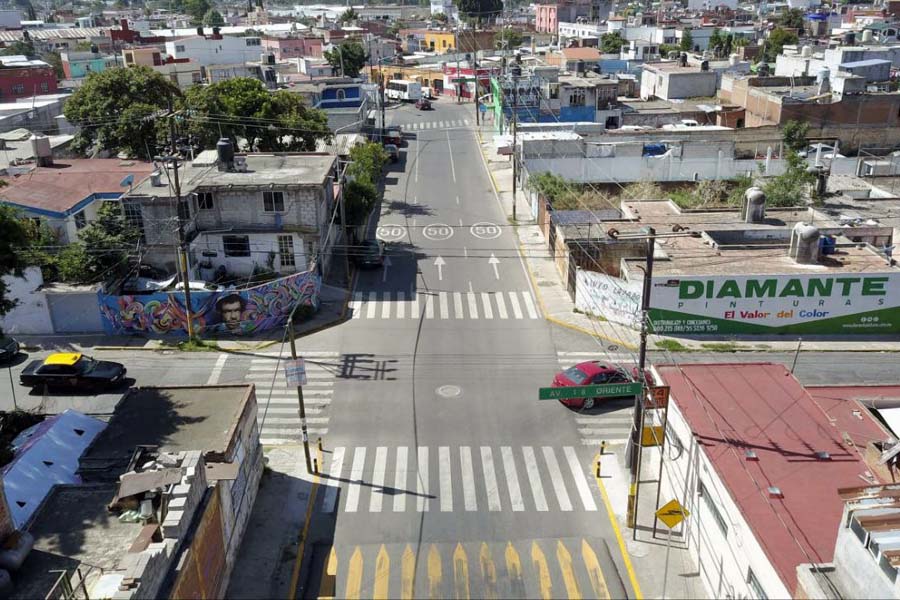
(612, 421)
(444, 305)
(278, 410)
(495, 478)
(450, 124)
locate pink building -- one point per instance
(285, 48)
(545, 18)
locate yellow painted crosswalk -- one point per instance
(553, 568)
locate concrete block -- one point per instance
(182, 489)
(177, 503)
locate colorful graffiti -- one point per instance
(238, 312)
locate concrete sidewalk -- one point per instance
(559, 307)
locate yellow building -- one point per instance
(432, 77)
(440, 41)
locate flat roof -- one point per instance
(675, 67)
(731, 408)
(845, 402)
(872, 62)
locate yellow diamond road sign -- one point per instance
(672, 514)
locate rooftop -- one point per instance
(581, 53)
(761, 406)
(673, 67)
(62, 187)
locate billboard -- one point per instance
(614, 299)
(846, 303)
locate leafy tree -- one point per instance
(196, 9)
(360, 197)
(440, 17)
(777, 40)
(395, 28)
(349, 58)
(687, 41)
(794, 135)
(20, 47)
(213, 18)
(666, 49)
(348, 16)
(553, 187)
(107, 242)
(611, 43)
(54, 60)
(789, 188)
(509, 38)
(366, 162)
(243, 108)
(115, 110)
(479, 10)
(791, 19)
(12, 237)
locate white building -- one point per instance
(711, 4)
(216, 50)
(443, 6)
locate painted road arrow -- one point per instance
(439, 263)
(606, 390)
(494, 261)
(387, 263)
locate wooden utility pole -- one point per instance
(182, 241)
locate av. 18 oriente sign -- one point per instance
(795, 304)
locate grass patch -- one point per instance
(720, 346)
(762, 346)
(196, 345)
(671, 345)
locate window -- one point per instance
(341, 95)
(205, 201)
(184, 211)
(18, 88)
(179, 48)
(45, 87)
(236, 245)
(253, 41)
(129, 58)
(755, 587)
(286, 250)
(576, 97)
(133, 215)
(885, 564)
(80, 220)
(713, 509)
(554, 91)
(858, 530)
(273, 201)
(310, 253)
(577, 376)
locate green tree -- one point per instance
(777, 40)
(717, 42)
(196, 9)
(349, 58)
(54, 60)
(789, 188)
(687, 41)
(553, 187)
(440, 18)
(13, 237)
(509, 38)
(366, 162)
(611, 43)
(794, 135)
(348, 16)
(479, 10)
(792, 19)
(213, 18)
(20, 48)
(395, 28)
(360, 197)
(108, 241)
(242, 108)
(115, 110)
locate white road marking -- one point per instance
(334, 473)
(356, 305)
(486, 305)
(452, 166)
(490, 479)
(458, 305)
(378, 479)
(580, 482)
(356, 473)
(457, 199)
(512, 479)
(370, 306)
(556, 478)
(386, 306)
(429, 306)
(473, 306)
(414, 306)
(446, 481)
(400, 479)
(501, 306)
(401, 305)
(529, 305)
(514, 302)
(217, 370)
(422, 480)
(468, 478)
(445, 309)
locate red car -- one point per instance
(592, 372)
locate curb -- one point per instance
(632, 576)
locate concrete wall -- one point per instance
(244, 208)
(858, 569)
(261, 245)
(74, 312)
(31, 314)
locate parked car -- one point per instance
(393, 136)
(72, 370)
(393, 152)
(369, 254)
(423, 104)
(827, 151)
(9, 348)
(591, 372)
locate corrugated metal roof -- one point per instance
(72, 33)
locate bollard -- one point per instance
(603, 447)
(320, 443)
(316, 466)
(598, 467)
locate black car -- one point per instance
(369, 254)
(72, 370)
(9, 348)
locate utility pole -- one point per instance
(516, 73)
(634, 448)
(475, 71)
(458, 74)
(182, 242)
(303, 430)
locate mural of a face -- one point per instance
(231, 308)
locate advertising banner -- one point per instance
(612, 298)
(846, 303)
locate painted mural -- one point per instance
(237, 312)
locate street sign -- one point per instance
(606, 390)
(672, 514)
(482, 108)
(652, 436)
(295, 372)
(657, 397)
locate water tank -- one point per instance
(867, 36)
(43, 153)
(704, 65)
(200, 31)
(225, 153)
(763, 69)
(823, 74)
(806, 52)
(753, 210)
(734, 59)
(95, 49)
(579, 68)
(805, 244)
(683, 59)
(156, 179)
(850, 38)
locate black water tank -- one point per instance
(850, 38)
(579, 67)
(200, 31)
(225, 153)
(683, 59)
(704, 65)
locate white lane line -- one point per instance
(458, 305)
(422, 480)
(452, 166)
(490, 479)
(468, 478)
(414, 306)
(486, 305)
(580, 482)
(429, 306)
(512, 479)
(501, 306)
(466, 251)
(473, 305)
(446, 480)
(457, 199)
(334, 473)
(418, 158)
(445, 308)
(401, 305)
(378, 479)
(386, 306)
(529, 305)
(559, 486)
(217, 370)
(356, 473)
(356, 305)
(370, 306)
(514, 302)
(400, 479)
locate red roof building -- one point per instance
(760, 460)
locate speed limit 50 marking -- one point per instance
(390, 233)
(438, 232)
(485, 230)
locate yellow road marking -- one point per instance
(434, 572)
(407, 573)
(632, 576)
(540, 565)
(327, 586)
(382, 574)
(595, 573)
(354, 575)
(301, 546)
(488, 572)
(564, 558)
(461, 573)
(514, 570)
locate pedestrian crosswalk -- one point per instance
(611, 420)
(450, 479)
(444, 305)
(278, 409)
(442, 124)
